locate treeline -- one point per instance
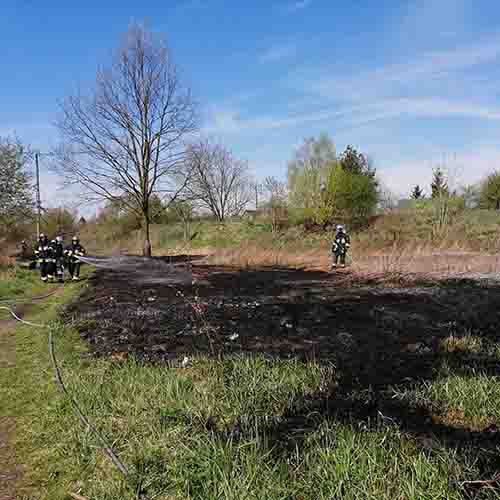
(322, 189)
(485, 194)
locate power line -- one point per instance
(38, 202)
(38, 154)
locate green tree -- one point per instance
(325, 187)
(490, 192)
(308, 172)
(349, 195)
(16, 192)
(417, 193)
(439, 185)
(356, 163)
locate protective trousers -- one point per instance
(43, 270)
(51, 268)
(60, 269)
(74, 268)
(340, 257)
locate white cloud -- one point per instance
(465, 167)
(278, 52)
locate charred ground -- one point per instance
(378, 338)
(359, 324)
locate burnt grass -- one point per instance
(378, 337)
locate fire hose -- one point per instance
(74, 403)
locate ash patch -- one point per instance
(369, 331)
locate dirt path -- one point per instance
(10, 470)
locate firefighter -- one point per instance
(51, 261)
(24, 250)
(72, 253)
(340, 247)
(43, 254)
(58, 250)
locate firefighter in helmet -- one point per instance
(43, 255)
(340, 247)
(73, 252)
(51, 261)
(58, 249)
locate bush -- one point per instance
(490, 192)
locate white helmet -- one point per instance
(59, 239)
(340, 228)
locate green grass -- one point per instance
(471, 401)
(208, 431)
(14, 282)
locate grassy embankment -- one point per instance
(159, 420)
(401, 241)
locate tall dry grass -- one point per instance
(6, 262)
(395, 261)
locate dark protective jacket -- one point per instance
(74, 251)
(341, 244)
(44, 252)
(58, 250)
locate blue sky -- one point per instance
(410, 83)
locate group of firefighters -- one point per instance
(52, 257)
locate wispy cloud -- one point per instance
(228, 122)
(300, 4)
(295, 6)
(278, 53)
(415, 75)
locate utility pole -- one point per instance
(38, 202)
(257, 192)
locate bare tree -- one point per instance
(257, 190)
(218, 181)
(277, 194)
(125, 140)
(185, 211)
(387, 199)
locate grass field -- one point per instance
(245, 426)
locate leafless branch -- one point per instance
(218, 180)
(125, 140)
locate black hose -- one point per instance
(31, 299)
(106, 448)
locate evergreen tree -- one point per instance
(439, 185)
(417, 193)
(356, 163)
